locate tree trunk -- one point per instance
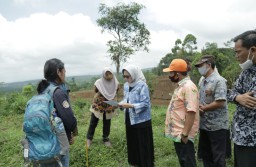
(118, 65)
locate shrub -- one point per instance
(27, 89)
(14, 103)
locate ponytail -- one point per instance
(42, 85)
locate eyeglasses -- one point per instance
(126, 76)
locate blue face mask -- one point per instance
(248, 63)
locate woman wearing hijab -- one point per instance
(105, 89)
(136, 104)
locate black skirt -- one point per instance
(140, 145)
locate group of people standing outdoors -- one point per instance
(205, 109)
(137, 108)
(192, 109)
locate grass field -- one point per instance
(98, 155)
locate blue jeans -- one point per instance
(65, 160)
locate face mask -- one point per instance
(248, 63)
(173, 79)
(203, 70)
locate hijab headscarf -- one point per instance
(106, 87)
(135, 73)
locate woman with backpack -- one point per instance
(105, 89)
(54, 73)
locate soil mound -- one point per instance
(162, 91)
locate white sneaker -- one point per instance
(89, 143)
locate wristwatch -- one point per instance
(184, 136)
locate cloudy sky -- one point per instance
(33, 31)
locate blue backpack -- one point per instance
(43, 144)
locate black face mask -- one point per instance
(173, 79)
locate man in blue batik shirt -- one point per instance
(243, 130)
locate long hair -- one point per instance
(50, 69)
(50, 73)
(42, 85)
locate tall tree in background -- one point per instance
(182, 49)
(130, 35)
(186, 47)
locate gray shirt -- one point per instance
(213, 88)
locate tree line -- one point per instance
(187, 49)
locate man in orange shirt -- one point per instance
(182, 116)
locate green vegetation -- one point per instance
(28, 89)
(98, 154)
(186, 49)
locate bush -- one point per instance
(14, 103)
(80, 103)
(27, 90)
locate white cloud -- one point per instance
(50, 30)
(28, 42)
(210, 21)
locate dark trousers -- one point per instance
(228, 146)
(186, 154)
(93, 124)
(244, 156)
(213, 147)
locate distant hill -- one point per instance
(17, 86)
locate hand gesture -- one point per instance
(126, 105)
(201, 110)
(184, 139)
(246, 100)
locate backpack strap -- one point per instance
(50, 91)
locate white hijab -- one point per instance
(136, 74)
(107, 87)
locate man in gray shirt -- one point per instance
(213, 114)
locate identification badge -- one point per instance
(65, 104)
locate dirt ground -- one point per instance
(161, 94)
